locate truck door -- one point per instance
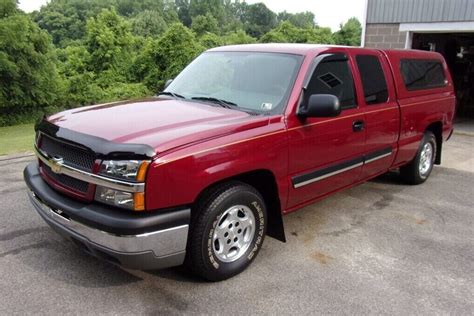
(326, 154)
(382, 115)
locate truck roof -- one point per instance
(288, 48)
(304, 49)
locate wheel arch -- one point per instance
(265, 183)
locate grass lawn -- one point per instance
(16, 139)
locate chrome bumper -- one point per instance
(153, 250)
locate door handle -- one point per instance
(358, 126)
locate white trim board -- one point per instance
(436, 27)
(364, 24)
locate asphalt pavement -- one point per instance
(379, 248)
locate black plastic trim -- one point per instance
(112, 220)
(334, 168)
(378, 153)
(104, 149)
(322, 172)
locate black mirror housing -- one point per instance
(320, 105)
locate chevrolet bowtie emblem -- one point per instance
(56, 164)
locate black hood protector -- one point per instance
(103, 149)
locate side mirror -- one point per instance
(320, 105)
(168, 82)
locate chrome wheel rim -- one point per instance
(426, 159)
(233, 233)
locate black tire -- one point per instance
(411, 173)
(201, 257)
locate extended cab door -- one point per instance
(326, 154)
(382, 114)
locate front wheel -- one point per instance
(420, 168)
(227, 231)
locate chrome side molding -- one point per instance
(321, 174)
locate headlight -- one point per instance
(125, 170)
(132, 170)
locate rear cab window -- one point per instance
(419, 74)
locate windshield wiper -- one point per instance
(174, 95)
(223, 103)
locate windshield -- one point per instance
(260, 82)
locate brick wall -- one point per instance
(384, 36)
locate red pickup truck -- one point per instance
(200, 173)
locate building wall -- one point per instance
(384, 35)
(406, 11)
(383, 18)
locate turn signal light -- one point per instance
(139, 201)
(141, 174)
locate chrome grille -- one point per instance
(67, 181)
(73, 156)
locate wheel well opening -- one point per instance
(264, 182)
(437, 129)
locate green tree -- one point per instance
(286, 32)
(81, 88)
(148, 23)
(321, 35)
(182, 9)
(108, 40)
(232, 19)
(203, 7)
(74, 59)
(235, 9)
(274, 37)
(169, 12)
(130, 8)
(204, 24)
(301, 19)
(98, 70)
(238, 37)
(210, 40)
(29, 81)
(7, 8)
(176, 49)
(349, 33)
(66, 20)
(164, 58)
(258, 19)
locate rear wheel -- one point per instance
(420, 168)
(227, 231)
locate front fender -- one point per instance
(179, 177)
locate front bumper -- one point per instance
(134, 241)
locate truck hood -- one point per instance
(162, 124)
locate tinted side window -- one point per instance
(373, 79)
(422, 74)
(333, 76)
